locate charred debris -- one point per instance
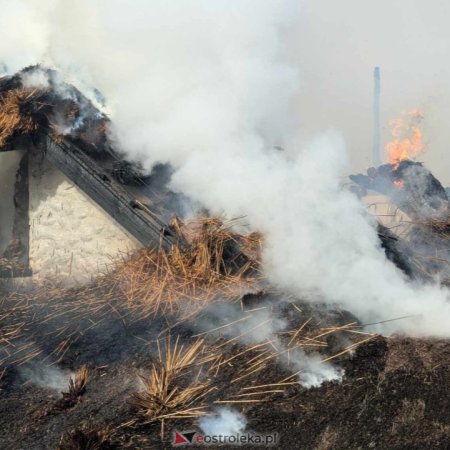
(417, 239)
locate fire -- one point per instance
(407, 137)
(399, 183)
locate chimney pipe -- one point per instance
(376, 157)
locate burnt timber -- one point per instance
(82, 152)
(87, 174)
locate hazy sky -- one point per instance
(340, 42)
(334, 47)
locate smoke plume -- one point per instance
(227, 422)
(265, 325)
(46, 376)
(213, 88)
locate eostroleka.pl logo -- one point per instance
(195, 438)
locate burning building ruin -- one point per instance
(76, 205)
(266, 323)
(414, 228)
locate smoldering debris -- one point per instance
(251, 358)
(76, 389)
(178, 383)
(212, 350)
(211, 261)
(419, 242)
(410, 186)
(36, 104)
(86, 437)
(38, 98)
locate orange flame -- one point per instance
(407, 137)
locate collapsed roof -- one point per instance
(410, 186)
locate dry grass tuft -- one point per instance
(77, 384)
(77, 387)
(13, 121)
(85, 438)
(210, 261)
(177, 384)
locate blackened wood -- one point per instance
(85, 173)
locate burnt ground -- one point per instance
(394, 395)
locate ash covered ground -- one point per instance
(221, 344)
(393, 393)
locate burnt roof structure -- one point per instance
(39, 110)
(409, 185)
(419, 244)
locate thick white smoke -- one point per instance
(319, 240)
(264, 326)
(208, 86)
(46, 376)
(227, 422)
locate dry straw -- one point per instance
(12, 119)
(77, 384)
(177, 384)
(212, 262)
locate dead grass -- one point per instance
(77, 388)
(15, 348)
(177, 384)
(439, 227)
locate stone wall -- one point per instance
(71, 238)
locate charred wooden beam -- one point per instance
(18, 249)
(18, 143)
(84, 172)
(15, 260)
